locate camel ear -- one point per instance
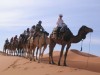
(46, 33)
(84, 26)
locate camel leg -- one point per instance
(39, 56)
(14, 52)
(17, 52)
(68, 46)
(45, 46)
(30, 55)
(30, 52)
(61, 53)
(37, 53)
(22, 53)
(33, 53)
(7, 52)
(49, 55)
(51, 47)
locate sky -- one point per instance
(18, 15)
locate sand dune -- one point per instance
(77, 65)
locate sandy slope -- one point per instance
(20, 66)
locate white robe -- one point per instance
(60, 22)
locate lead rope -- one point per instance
(88, 52)
(81, 45)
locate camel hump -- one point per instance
(64, 28)
(64, 33)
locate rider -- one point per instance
(15, 38)
(7, 41)
(11, 40)
(32, 30)
(59, 24)
(28, 32)
(38, 28)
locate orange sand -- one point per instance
(79, 63)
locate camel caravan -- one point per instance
(36, 38)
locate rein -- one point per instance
(88, 51)
(82, 43)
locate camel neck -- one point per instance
(76, 39)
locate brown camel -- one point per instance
(14, 46)
(40, 42)
(11, 47)
(6, 48)
(23, 45)
(21, 48)
(68, 40)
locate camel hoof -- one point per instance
(58, 64)
(53, 63)
(30, 59)
(65, 64)
(34, 59)
(49, 62)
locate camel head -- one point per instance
(84, 30)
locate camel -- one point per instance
(22, 47)
(39, 42)
(6, 48)
(13, 46)
(83, 31)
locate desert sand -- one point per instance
(79, 63)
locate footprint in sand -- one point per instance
(42, 66)
(26, 68)
(34, 67)
(13, 65)
(60, 71)
(47, 74)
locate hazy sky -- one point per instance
(18, 15)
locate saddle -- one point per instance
(64, 33)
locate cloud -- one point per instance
(22, 11)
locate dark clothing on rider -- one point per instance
(11, 40)
(27, 33)
(58, 31)
(38, 29)
(7, 41)
(15, 38)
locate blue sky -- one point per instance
(18, 15)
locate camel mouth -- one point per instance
(91, 30)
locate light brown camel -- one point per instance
(6, 48)
(23, 45)
(21, 48)
(72, 39)
(40, 42)
(13, 47)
